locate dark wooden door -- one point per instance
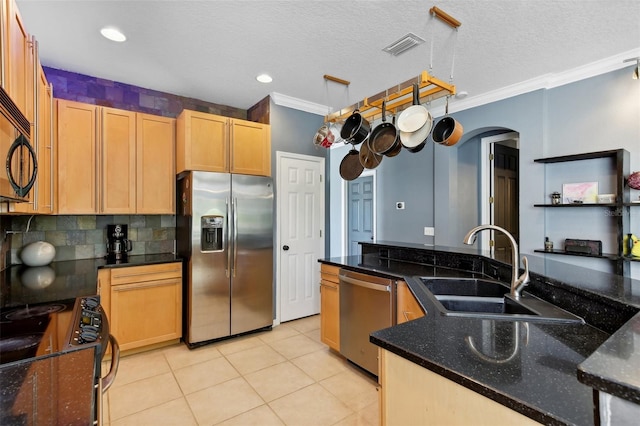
(505, 199)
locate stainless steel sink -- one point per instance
(465, 287)
(489, 305)
(488, 299)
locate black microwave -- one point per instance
(18, 175)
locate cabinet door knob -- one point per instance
(285, 248)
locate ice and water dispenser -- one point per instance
(211, 239)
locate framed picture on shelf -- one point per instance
(579, 193)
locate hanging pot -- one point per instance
(355, 129)
(415, 124)
(384, 138)
(350, 166)
(368, 158)
(447, 131)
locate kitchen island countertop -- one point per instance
(550, 369)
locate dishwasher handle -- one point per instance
(365, 284)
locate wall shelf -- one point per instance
(623, 203)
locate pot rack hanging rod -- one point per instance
(445, 17)
(336, 80)
(397, 97)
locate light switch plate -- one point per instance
(429, 231)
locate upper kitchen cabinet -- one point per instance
(18, 60)
(117, 161)
(112, 161)
(208, 142)
(155, 160)
(76, 144)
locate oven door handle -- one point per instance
(371, 286)
(107, 381)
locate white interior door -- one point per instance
(300, 194)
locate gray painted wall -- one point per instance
(595, 114)
(293, 131)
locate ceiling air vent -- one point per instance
(403, 44)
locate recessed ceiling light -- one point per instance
(113, 34)
(264, 78)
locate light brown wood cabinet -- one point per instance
(408, 307)
(330, 306)
(19, 57)
(413, 395)
(213, 143)
(155, 164)
(111, 161)
(143, 303)
(76, 145)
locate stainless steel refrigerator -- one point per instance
(224, 231)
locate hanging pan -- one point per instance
(368, 158)
(350, 166)
(415, 124)
(447, 131)
(384, 138)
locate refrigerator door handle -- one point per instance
(227, 248)
(235, 234)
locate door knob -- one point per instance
(285, 248)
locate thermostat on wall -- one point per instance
(400, 205)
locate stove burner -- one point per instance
(19, 343)
(35, 311)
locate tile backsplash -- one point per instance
(85, 237)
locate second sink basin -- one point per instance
(491, 305)
(488, 299)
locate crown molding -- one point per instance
(547, 81)
(299, 104)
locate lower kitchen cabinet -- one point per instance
(330, 306)
(143, 303)
(411, 394)
(408, 307)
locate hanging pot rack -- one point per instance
(397, 97)
(400, 96)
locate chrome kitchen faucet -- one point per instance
(517, 283)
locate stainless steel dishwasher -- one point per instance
(366, 304)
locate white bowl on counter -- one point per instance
(38, 253)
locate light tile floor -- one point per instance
(285, 376)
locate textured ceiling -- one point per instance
(212, 50)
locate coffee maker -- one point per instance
(118, 244)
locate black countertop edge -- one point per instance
(508, 401)
(139, 260)
(624, 380)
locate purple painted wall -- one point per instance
(92, 90)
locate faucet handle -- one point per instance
(525, 275)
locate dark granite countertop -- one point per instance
(555, 365)
(64, 280)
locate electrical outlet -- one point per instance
(429, 231)
(399, 205)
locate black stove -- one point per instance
(50, 361)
